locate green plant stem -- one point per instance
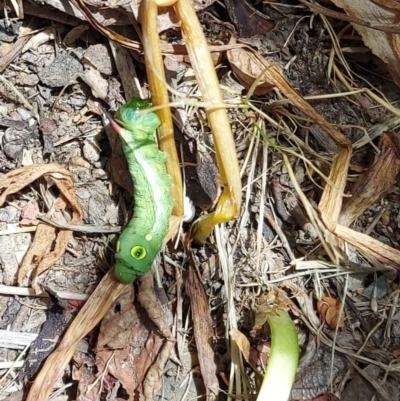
(282, 363)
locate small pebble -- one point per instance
(83, 193)
(91, 150)
(61, 71)
(100, 174)
(24, 114)
(381, 288)
(99, 57)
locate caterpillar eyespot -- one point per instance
(141, 240)
(138, 252)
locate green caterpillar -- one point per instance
(141, 240)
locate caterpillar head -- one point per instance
(134, 256)
(130, 118)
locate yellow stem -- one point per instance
(228, 206)
(159, 95)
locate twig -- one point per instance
(85, 228)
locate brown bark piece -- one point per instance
(203, 332)
(370, 247)
(248, 21)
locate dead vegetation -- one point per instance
(314, 121)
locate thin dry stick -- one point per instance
(260, 227)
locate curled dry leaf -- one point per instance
(329, 310)
(39, 253)
(247, 69)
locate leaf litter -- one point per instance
(275, 142)
(38, 254)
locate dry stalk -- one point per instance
(229, 203)
(159, 95)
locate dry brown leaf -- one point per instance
(242, 342)
(38, 254)
(154, 377)
(329, 310)
(162, 318)
(247, 69)
(44, 238)
(119, 323)
(150, 302)
(85, 377)
(244, 346)
(129, 43)
(120, 330)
